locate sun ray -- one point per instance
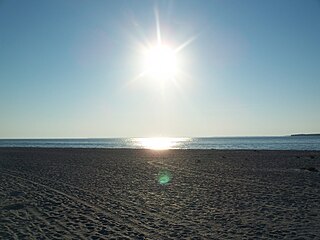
(140, 32)
(136, 78)
(158, 26)
(186, 43)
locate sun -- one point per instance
(160, 62)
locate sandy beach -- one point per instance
(120, 194)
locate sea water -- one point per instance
(267, 143)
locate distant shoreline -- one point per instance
(306, 135)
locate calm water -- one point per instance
(271, 143)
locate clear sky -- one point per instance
(69, 68)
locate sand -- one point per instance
(116, 194)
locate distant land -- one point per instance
(306, 135)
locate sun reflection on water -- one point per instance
(159, 143)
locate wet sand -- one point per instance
(116, 194)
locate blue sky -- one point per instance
(67, 68)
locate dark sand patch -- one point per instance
(15, 206)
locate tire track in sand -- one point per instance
(131, 225)
(123, 207)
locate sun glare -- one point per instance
(160, 62)
(160, 143)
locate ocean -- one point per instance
(259, 143)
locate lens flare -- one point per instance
(164, 177)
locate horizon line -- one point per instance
(220, 136)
